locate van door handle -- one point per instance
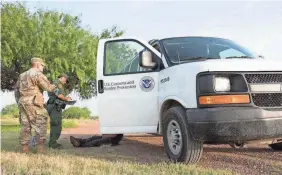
(100, 86)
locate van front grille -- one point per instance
(267, 99)
(264, 78)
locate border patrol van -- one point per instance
(189, 90)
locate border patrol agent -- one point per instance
(55, 106)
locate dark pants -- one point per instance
(94, 141)
(55, 114)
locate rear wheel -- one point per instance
(178, 142)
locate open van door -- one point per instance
(127, 87)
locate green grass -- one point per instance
(6, 116)
(59, 164)
(10, 128)
(70, 160)
(12, 124)
(65, 162)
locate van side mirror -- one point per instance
(146, 59)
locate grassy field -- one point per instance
(12, 124)
(66, 161)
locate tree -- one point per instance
(118, 55)
(11, 110)
(56, 37)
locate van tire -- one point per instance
(115, 140)
(190, 150)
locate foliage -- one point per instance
(56, 37)
(69, 124)
(118, 55)
(94, 117)
(10, 110)
(76, 113)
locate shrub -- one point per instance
(77, 113)
(69, 124)
(11, 110)
(94, 117)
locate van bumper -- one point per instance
(227, 124)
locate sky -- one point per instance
(256, 25)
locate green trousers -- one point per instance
(55, 114)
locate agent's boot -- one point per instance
(25, 148)
(75, 141)
(56, 146)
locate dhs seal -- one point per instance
(147, 84)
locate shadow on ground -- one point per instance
(134, 149)
(147, 149)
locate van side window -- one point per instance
(122, 57)
(134, 65)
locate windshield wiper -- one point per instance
(196, 58)
(238, 57)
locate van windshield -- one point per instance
(185, 49)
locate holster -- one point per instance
(59, 104)
(50, 101)
(63, 106)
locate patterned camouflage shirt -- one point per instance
(30, 86)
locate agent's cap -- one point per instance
(38, 60)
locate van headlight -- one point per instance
(218, 82)
(221, 88)
(221, 84)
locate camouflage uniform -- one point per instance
(33, 115)
(33, 133)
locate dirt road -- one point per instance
(253, 160)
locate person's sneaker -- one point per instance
(74, 141)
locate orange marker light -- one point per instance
(224, 99)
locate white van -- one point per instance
(190, 90)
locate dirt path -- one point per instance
(253, 160)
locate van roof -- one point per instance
(152, 41)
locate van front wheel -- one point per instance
(178, 142)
